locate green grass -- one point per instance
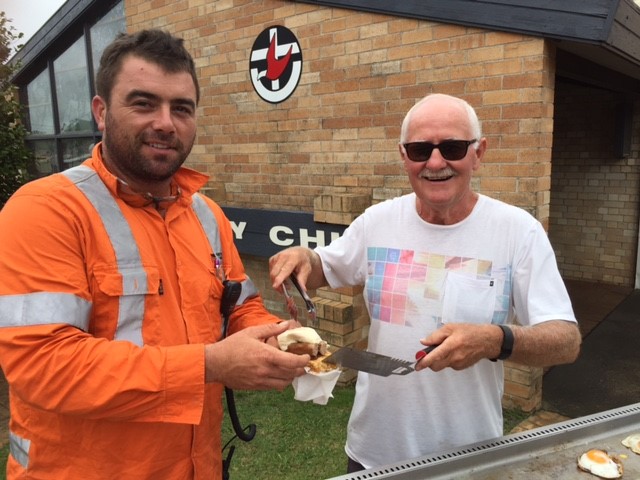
(294, 439)
(299, 439)
(4, 453)
(511, 418)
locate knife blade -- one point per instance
(374, 363)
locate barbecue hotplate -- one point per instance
(541, 453)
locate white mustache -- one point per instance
(437, 175)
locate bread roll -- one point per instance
(302, 340)
(305, 340)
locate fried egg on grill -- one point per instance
(632, 442)
(600, 464)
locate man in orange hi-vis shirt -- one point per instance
(111, 276)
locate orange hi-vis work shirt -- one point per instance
(105, 308)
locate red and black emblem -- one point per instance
(275, 64)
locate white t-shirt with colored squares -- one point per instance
(495, 265)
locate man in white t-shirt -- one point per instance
(442, 266)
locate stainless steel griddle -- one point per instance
(542, 453)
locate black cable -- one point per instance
(230, 294)
(226, 463)
(235, 420)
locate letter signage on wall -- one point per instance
(265, 232)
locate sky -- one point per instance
(27, 16)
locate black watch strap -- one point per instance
(507, 343)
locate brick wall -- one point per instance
(337, 135)
(338, 132)
(595, 196)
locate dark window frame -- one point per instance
(81, 28)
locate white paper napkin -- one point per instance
(315, 386)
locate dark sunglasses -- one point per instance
(449, 149)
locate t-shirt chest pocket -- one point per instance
(468, 299)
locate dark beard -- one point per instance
(124, 152)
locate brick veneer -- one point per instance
(595, 195)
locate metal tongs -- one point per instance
(291, 304)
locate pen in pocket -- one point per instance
(217, 264)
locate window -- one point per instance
(40, 107)
(75, 151)
(103, 32)
(45, 155)
(72, 89)
(61, 127)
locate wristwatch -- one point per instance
(507, 343)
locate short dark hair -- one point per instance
(155, 46)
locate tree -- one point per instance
(15, 157)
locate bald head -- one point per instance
(444, 104)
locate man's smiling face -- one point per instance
(149, 125)
(442, 186)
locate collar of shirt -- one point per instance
(185, 183)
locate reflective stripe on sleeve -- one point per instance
(249, 290)
(134, 277)
(19, 448)
(44, 308)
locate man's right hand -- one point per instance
(303, 262)
(244, 361)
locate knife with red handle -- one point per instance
(420, 354)
(374, 363)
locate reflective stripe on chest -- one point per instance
(128, 259)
